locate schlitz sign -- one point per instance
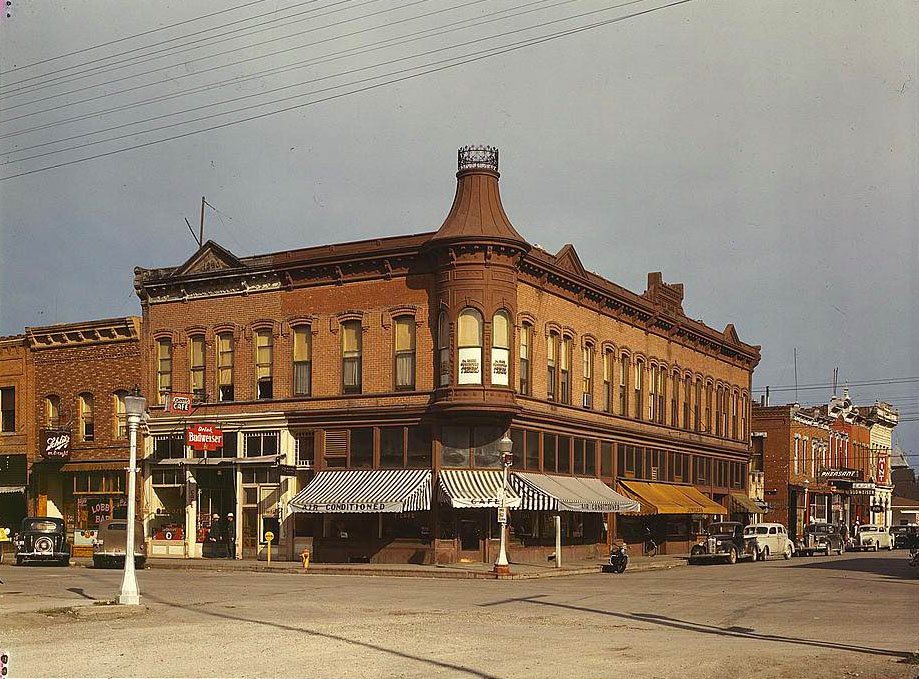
(55, 444)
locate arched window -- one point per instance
(225, 366)
(735, 402)
(85, 407)
(196, 366)
(687, 401)
(264, 363)
(608, 361)
(303, 360)
(708, 409)
(351, 343)
(163, 368)
(675, 400)
(624, 385)
(697, 405)
(662, 395)
(119, 419)
(53, 411)
(564, 363)
(725, 400)
(587, 374)
(552, 391)
(500, 349)
(639, 386)
(443, 348)
(469, 342)
(744, 405)
(526, 354)
(653, 372)
(404, 354)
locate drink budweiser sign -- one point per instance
(205, 437)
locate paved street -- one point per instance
(854, 615)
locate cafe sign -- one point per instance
(204, 437)
(55, 444)
(178, 403)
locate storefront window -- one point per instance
(305, 443)
(532, 450)
(362, 447)
(259, 443)
(168, 447)
(518, 450)
(579, 460)
(606, 459)
(485, 440)
(392, 445)
(590, 458)
(549, 453)
(419, 446)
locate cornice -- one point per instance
(85, 333)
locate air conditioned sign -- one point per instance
(55, 444)
(205, 437)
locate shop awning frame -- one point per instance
(363, 491)
(475, 488)
(12, 490)
(746, 503)
(569, 494)
(111, 466)
(665, 498)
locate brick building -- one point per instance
(361, 389)
(82, 372)
(16, 436)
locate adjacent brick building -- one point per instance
(400, 362)
(16, 435)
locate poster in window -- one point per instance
(500, 367)
(470, 365)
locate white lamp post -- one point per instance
(505, 447)
(134, 407)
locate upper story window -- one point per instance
(119, 419)
(653, 373)
(587, 375)
(469, 341)
(564, 364)
(163, 368)
(405, 352)
(264, 359)
(661, 395)
(624, 385)
(526, 350)
(85, 405)
(734, 403)
(443, 349)
(639, 386)
(303, 360)
(552, 348)
(351, 347)
(225, 366)
(53, 411)
(608, 381)
(500, 349)
(744, 404)
(708, 409)
(261, 443)
(196, 366)
(724, 411)
(719, 423)
(675, 401)
(804, 442)
(8, 409)
(696, 405)
(795, 458)
(687, 401)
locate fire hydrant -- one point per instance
(305, 556)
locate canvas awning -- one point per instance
(664, 498)
(706, 504)
(365, 491)
(745, 503)
(568, 494)
(471, 488)
(94, 466)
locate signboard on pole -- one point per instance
(205, 437)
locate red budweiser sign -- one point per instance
(205, 437)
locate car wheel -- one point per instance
(732, 556)
(788, 553)
(18, 560)
(754, 557)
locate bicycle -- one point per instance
(650, 547)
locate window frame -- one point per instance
(525, 359)
(226, 389)
(303, 364)
(404, 353)
(82, 402)
(463, 346)
(357, 358)
(197, 370)
(165, 346)
(8, 409)
(264, 367)
(119, 415)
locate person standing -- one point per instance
(215, 536)
(230, 536)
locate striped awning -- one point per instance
(569, 494)
(11, 490)
(363, 491)
(471, 488)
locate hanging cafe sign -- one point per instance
(205, 437)
(178, 403)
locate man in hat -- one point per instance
(215, 536)
(230, 536)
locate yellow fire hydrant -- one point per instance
(305, 556)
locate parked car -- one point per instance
(873, 537)
(821, 537)
(770, 539)
(111, 542)
(905, 536)
(42, 538)
(724, 541)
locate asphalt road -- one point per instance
(849, 616)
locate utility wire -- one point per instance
(129, 37)
(354, 51)
(428, 70)
(893, 380)
(279, 89)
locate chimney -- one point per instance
(766, 396)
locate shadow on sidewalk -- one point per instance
(686, 625)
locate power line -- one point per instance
(893, 380)
(277, 89)
(429, 70)
(388, 42)
(130, 37)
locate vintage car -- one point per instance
(823, 538)
(905, 536)
(724, 541)
(110, 544)
(42, 538)
(771, 539)
(873, 537)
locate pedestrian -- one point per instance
(215, 536)
(230, 536)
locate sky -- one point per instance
(763, 153)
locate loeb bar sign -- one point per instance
(205, 437)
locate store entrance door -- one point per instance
(471, 535)
(216, 496)
(250, 532)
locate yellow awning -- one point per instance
(660, 498)
(706, 505)
(746, 503)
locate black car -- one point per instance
(725, 541)
(823, 538)
(905, 537)
(42, 538)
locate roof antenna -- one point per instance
(201, 231)
(796, 374)
(192, 232)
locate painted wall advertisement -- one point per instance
(470, 365)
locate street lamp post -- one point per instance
(134, 407)
(505, 447)
(807, 506)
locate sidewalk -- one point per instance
(468, 571)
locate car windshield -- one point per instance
(40, 525)
(117, 526)
(868, 529)
(721, 529)
(762, 530)
(819, 528)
